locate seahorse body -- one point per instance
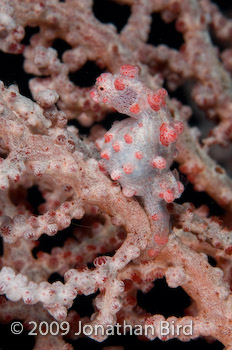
(138, 151)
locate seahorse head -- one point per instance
(103, 88)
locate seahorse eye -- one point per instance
(101, 88)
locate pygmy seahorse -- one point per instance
(138, 151)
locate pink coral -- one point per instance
(106, 225)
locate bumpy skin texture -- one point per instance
(138, 151)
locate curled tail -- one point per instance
(165, 188)
(159, 217)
